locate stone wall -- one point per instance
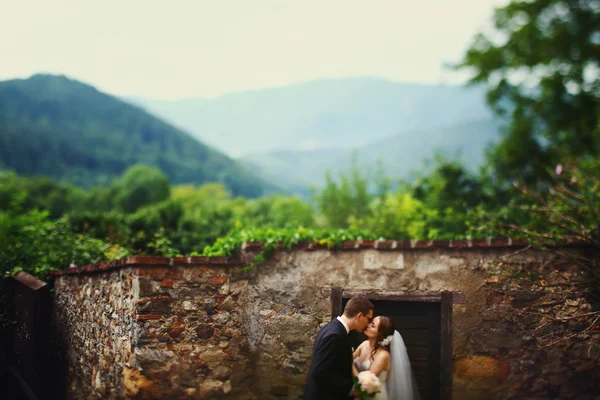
(94, 315)
(152, 331)
(538, 334)
(188, 338)
(202, 328)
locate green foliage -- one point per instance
(141, 185)
(160, 244)
(277, 212)
(36, 245)
(207, 196)
(150, 224)
(435, 206)
(109, 226)
(449, 185)
(566, 211)
(272, 239)
(443, 204)
(209, 213)
(447, 195)
(543, 73)
(40, 193)
(399, 216)
(345, 201)
(49, 124)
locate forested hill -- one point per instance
(67, 130)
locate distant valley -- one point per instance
(292, 134)
(274, 140)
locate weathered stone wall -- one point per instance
(538, 337)
(188, 337)
(202, 329)
(95, 322)
(152, 331)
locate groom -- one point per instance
(330, 375)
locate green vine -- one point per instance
(272, 239)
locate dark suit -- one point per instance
(330, 375)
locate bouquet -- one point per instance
(366, 385)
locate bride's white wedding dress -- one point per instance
(400, 384)
(382, 377)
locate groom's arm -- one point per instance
(327, 368)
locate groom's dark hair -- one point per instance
(358, 304)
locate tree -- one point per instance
(348, 200)
(399, 216)
(541, 66)
(566, 211)
(206, 196)
(40, 193)
(33, 243)
(448, 185)
(141, 185)
(278, 212)
(447, 194)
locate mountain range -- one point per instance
(67, 130)
(291, 135)
(402, 156)
(327, 113)
(283, 138)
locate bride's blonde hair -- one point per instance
(384, 329)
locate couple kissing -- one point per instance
(334, 364)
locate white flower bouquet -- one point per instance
(366, 385)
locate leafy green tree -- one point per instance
(40, 193)
(102, 199)
(382, 182)
(399, 216)
(111, 227)
(541, 66)
(278, 212)
(33, 243)
(209, 213)
(446, 194)
(449, 185)
(141, 185)
(207, 196)
(157, 219)
(346, 201)
(566, 211)
(198, 230)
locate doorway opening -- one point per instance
(424, 320)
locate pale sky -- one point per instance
(176, 49)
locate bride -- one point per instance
(384, 354)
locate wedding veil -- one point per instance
(400, 381)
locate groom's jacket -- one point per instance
(330, 375)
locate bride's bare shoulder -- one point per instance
(363, 344)
(382, 353)
(361, 347)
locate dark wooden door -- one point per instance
(419, 323)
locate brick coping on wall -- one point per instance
(249, 247)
